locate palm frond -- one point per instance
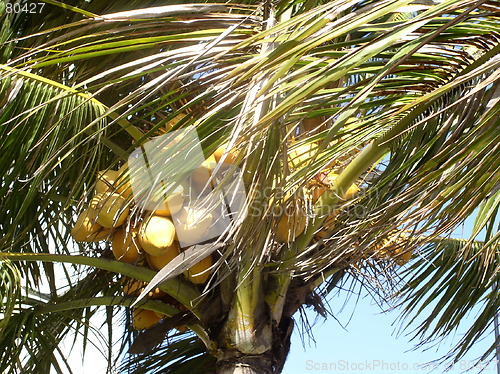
(10, 286)
(180, 353)
(447, 282)
(36, 194)
(31, 337)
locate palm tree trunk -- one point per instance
(238, 369)
(258, 364)
(238, 359)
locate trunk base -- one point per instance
(233, 363)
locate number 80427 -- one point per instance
(24, 8)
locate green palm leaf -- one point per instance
(447, 285)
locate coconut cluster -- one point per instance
(293, 224)
(392, 248)
(152, 239)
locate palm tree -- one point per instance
(399, 98)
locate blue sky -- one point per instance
(365, 339)
(369, 344)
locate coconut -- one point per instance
(122, 183)
(201, 174)
(157, 235)
(144, 319)
(301, 155)
(86, 229)
(156, 293)
(192, 224)
(351, 191)
(328, 225)
(316, 192)
(392, 248)
(230, 156)
(105, 180)
(166, 205)
(109, 209)
(400, 254)
(132, 287)
(125, 245)
(181, 328)
(292, 223)
(103, 234)
(199, 272)
(158, 262)
(160, 315)
(403, 257)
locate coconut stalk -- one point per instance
(182, 291)
(325, 205)
(246, 340)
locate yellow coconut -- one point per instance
(292, 223)
(144, 319)
(105, 180)
(103, 234)
(403, 258)
(156, 293)
(230, 157)
(316, 192)
(160, 315)
(156, 235)
(125, 245)
(328, 225)
(301, 155)
(122, 182)
(381, 249)
(351, 192)
(166, 205)
(181, 328)
(331, 176)
(87, 230)
(158, 262)
(392, 247)
(193, 224)
(201, 174)
(109, 209)
(132, 287)
(199, 272)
